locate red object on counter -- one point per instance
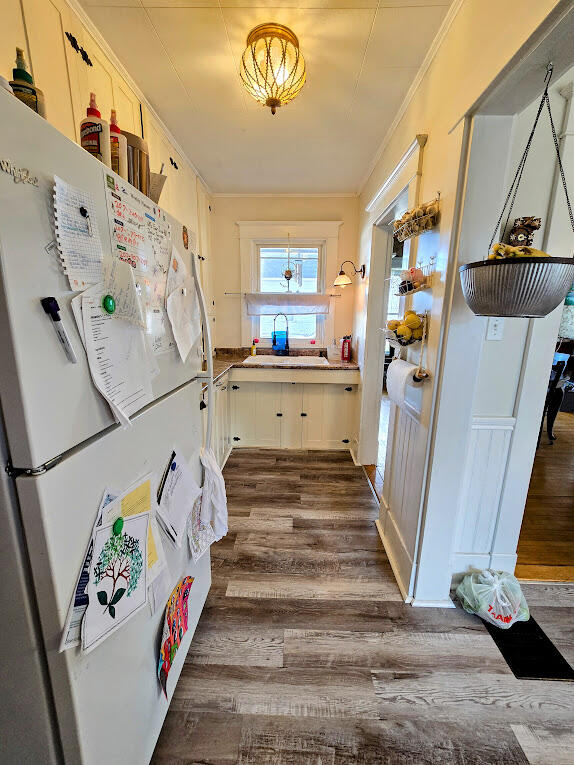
(346, 348)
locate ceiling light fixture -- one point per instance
(272, 67)
(342, 280)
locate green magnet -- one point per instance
(109, 304)
(118, 526)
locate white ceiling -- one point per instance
(361, 56)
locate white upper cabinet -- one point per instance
(53, 60)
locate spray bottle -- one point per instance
(118, 148)
(95, 133)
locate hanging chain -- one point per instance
(562, 176)
(512, 191)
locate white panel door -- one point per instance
(109, 703)
(291, 419)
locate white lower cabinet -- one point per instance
(292, 415)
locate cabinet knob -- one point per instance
(235, 387)
(279, 414)
(303, 414)
(349, 388)
(345, 440)
(236, 438)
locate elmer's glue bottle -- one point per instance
(95, 133)
(118, 148)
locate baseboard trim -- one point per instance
(446, 603)
(404, 592)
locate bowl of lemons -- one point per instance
(405, 331)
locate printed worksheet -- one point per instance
(77, 235)
(117, 357)
(176, 495)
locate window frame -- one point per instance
(292, 242)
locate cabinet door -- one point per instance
(329, 422)
(225, 421)
(54, 62)
(127, 106)
(337, 416)
(243, 414)
(255, 409)
(312, 431)
(291, 419)
(13, 36)
(97, 78)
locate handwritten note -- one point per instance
(77, 235)
(141, 236)
(120, 283)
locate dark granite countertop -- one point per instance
(226, 361)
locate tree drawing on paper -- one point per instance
(120, 561)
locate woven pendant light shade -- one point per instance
(272, 67)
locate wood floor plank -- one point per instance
(288, 691)
(277, 524)
(458, 652)
(545, 746)
(472, 697)
(245, 647)
(313, 588)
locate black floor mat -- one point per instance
(529, 652)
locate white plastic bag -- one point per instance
(494, 596)
(214, 498)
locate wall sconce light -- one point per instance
(342, 279)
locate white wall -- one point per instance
(227, 210)
(474, 50)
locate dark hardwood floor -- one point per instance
(305, 653)
(546, 544)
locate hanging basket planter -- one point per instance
(519, 281)
(524, 287)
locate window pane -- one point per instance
(304, 264)
(301, 327)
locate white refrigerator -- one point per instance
(60, 447)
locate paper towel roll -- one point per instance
(398, 374)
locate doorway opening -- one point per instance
(391, 308)
(546, 543)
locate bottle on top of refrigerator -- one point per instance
(95, 133)
(118, 148)
(23, 86)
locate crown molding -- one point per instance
(97, 35)
(417, 144)
(428, 59)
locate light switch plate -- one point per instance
(495, 328)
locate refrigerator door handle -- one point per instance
(208, 350)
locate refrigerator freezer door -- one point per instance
(50, 404)
(109, 703)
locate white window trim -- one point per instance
(322, 247)
(254, 233)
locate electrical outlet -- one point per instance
(495, 328)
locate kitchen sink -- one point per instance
(286, 361)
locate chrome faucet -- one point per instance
(274, 336)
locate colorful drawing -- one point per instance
(174, 628)
(120, 561)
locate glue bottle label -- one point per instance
(91, 137)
